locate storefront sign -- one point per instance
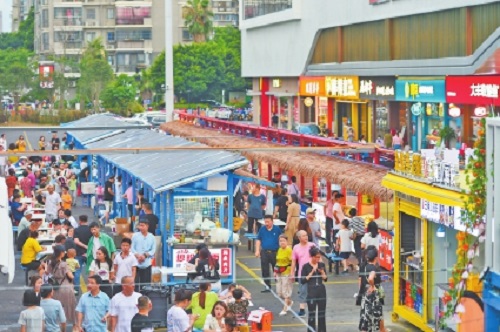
(416, 109)
(480, 111)
(449, 216)
(473, 90)
(377, 88)
(425, 91)
(223, 255)
(454, 111)
(312, 86)
(346, 87)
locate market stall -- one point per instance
(428, 212)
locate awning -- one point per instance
(244, 175)
(423, 190)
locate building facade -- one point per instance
(20, 10)
(364, 45)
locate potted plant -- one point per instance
(446, 134)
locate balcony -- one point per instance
(254, 8)
(68, 22)
(134, 44)
(134, 22)
(126, 68)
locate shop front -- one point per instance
(315, 107)
(380, 93)
(427, 220)
(473, 97)
(426, 100)
(352, 117)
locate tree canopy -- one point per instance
(119, 95)
(203, 70)
(198, 19)
(24, 38)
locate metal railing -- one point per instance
(380, 156)
(254, 8)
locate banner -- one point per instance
(345, 87)
(377, 88)
(46, 74)
(473, 90)
(312, 86)
(425, 91)
(223, 255)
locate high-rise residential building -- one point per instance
(20, 10)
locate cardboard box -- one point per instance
(122, 228)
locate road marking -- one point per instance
(259, 279)
(246, 257)
(27, 141)
(256, 269)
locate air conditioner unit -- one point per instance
(90, 24)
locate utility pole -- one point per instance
(169, 62)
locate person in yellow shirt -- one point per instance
(66, 199)
(21, 143)
(30, 249)
(12, 148)
(202, 303)
(284, 285)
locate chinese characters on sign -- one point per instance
(414, 90)
(312, 88)
(450, 216)
(346, 86)
(376, 87)
(46, 75)
(427, 91)
(484, 90)
(223, 255)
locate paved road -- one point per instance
(32, 136)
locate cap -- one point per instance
(23, 157)
(27, 212)
(310, 210)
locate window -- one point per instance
(111, 13)
(90, 36)
(91, 13)
(45, 41)
(254, 8)
(67, 12)
(111, 36)
(111, 60)
(132, 15)
(186, 36)
(71, 36)
(45, 18)
(134, 35)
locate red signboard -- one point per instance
(473, 90)
(46, 74)
(223, 255)
(385, 250)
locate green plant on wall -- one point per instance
(446, 134)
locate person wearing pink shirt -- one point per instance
(300, 253)
(129, 195)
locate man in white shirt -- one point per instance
(3, 141)
(125, 264)
(52, 203)
(3, 161)
(124, 306)
(338, 214)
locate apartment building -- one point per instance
(20, 10)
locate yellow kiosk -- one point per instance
(427, 219)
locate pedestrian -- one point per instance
(109, 196)
(42, 144)
(55, 141)
(26, 185)
(293, 218)
(227, 294)
(313, 225)
(118, 194)
(144, 249)
(256, 204)
(202, 303)
(397, 141)
(55, 318)
(21, 143)
(344, 245)
(358, 227)
(371, 238)
(129, 195)
(124, 264)
(266, 246)
(72, 184)
(102, 266)
(215, 320)
(66, 199)
(123, 306)
(140, 322)
(25, 221)
(23, 236)
(300, 256)
(3, 162)
(207, 268)
(11, 182)
(370, 294)
(36, 283)
(282, 270)
(82, 238)
(12, 158)
(303, 226)
(151, 217)
(58, 269)
(328, 211)
(92, 309)
(98, 239)
(313, 275)
(177, 318)
(281, 206)
(3, 141)
(388, 139)
(29, 252)
(338, 214)
(293, 188)
(52, 202)
(32, 318)
(17, 209)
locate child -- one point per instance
(32, 318)
(284, 286)
(227, 294)
(71, 261)
(344, 237)
(72, 188)
(239, 307)
(66, 199)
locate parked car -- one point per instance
(224, 113)
(308, 129)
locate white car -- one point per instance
(224, 113)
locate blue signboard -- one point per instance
(425, 91)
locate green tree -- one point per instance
(119, 94)
(198, 19)
(17, 71)
(24, 38)
(95, 72)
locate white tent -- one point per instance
(7, 259)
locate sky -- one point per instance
(6, 8)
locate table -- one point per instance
(251, 240)
(42, 254)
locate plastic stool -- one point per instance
(26, 272)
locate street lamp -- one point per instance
(169, 62)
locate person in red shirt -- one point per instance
(11, 182)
